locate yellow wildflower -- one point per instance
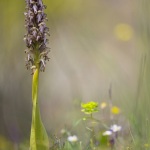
(115, 110)
(123, 32)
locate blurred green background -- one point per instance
(93, 44)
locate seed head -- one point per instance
(36, 36)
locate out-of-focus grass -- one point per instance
(140, 119)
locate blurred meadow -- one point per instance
(100, 52)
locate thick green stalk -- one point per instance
(38, 138)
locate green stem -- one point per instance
(35, 85)
(38, 138)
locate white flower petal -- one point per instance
(107, 133)
(73, 138)
(115, 128)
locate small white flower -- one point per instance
(73, 138)
(107, 133)
(115, 128)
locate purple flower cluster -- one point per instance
(37, 32)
